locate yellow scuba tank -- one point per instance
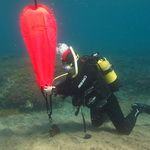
(109, 74)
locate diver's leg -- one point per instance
(122, 124)
(98, 116)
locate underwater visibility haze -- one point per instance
(115, 26)
(119, 30)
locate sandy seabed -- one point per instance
(30, 131)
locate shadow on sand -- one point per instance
(67, 128)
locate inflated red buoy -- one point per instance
(39, 30)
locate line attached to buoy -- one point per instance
(35, 2)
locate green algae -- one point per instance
(18, 88)
(9, 112)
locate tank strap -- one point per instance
(107, 71)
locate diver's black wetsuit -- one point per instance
(89, 88)
(123, 124)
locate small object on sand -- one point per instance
(54, 130)
(87, 136)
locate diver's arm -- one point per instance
(63, 88)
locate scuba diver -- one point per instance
(92, 82)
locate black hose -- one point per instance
(48, 104)
(84, 123)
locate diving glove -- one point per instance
(49, 89)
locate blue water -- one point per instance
(113, 26)
(118, 29)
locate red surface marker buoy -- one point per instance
(39, 30)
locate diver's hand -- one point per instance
(49, 89)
